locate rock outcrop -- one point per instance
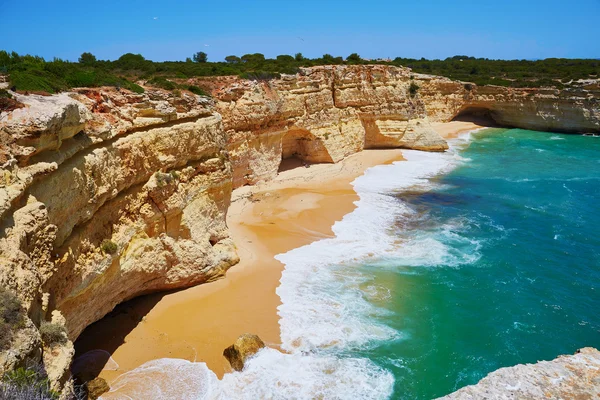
(567, 377)
(106, 195)
(322, 114)
(96, 388)
(571, 110)
(244, 347)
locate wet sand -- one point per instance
(196, 324)
(298, 207)
(452, 129)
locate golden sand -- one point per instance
(297, 208)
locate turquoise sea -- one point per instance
(519, 280)
(452, 265)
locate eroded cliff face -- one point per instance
(322, 114)
(572, 110)
(106, 195)
(325, 113)
(566, 377)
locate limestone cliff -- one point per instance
(106, 195)
(571, 110)
(567, 377)
(322, 114)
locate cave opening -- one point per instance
(299, 147)
(96, 344)
(478, 115)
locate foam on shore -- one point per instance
(326, 312)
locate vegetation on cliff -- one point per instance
(11, 317)
(33, 73)
(27, 384)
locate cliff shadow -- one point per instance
(292, 163)
(96, 344)
(478, 115)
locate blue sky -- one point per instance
(174, 30)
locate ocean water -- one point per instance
(453, 265)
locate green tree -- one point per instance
(233, 59)
(328, 58)
(253, 58)
(354, 58)
(87, 59)
(200, 57)
(130, 61)
(284, 58)
(299, 57)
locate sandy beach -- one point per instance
(298, 207)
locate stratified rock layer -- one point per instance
(574, 377)
(106, 194)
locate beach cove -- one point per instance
(196, 324)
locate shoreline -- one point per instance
(298, 207)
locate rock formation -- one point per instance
(96, 388)
(244, 347)
(106, 195)
(567, 377)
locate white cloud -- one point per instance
(155, 18)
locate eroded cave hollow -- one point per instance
(299, 146)
(479, 115)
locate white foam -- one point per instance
(322, 303)
(269, 375)
(328, 301)
(166, 379)
(275, 375)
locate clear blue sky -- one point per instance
(173, 30)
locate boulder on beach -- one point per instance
(96, 388)
(244, 347)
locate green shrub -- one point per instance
(134, 87)
(4, 94)
(32, 73)
(27, 384)
(260, 75)
(197, 90)
(108, 246)
(413, 89)
(354, 58)
(37, 81)
(11, 317)
(52, 333)
(163, 83)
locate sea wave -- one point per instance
(329, 302)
